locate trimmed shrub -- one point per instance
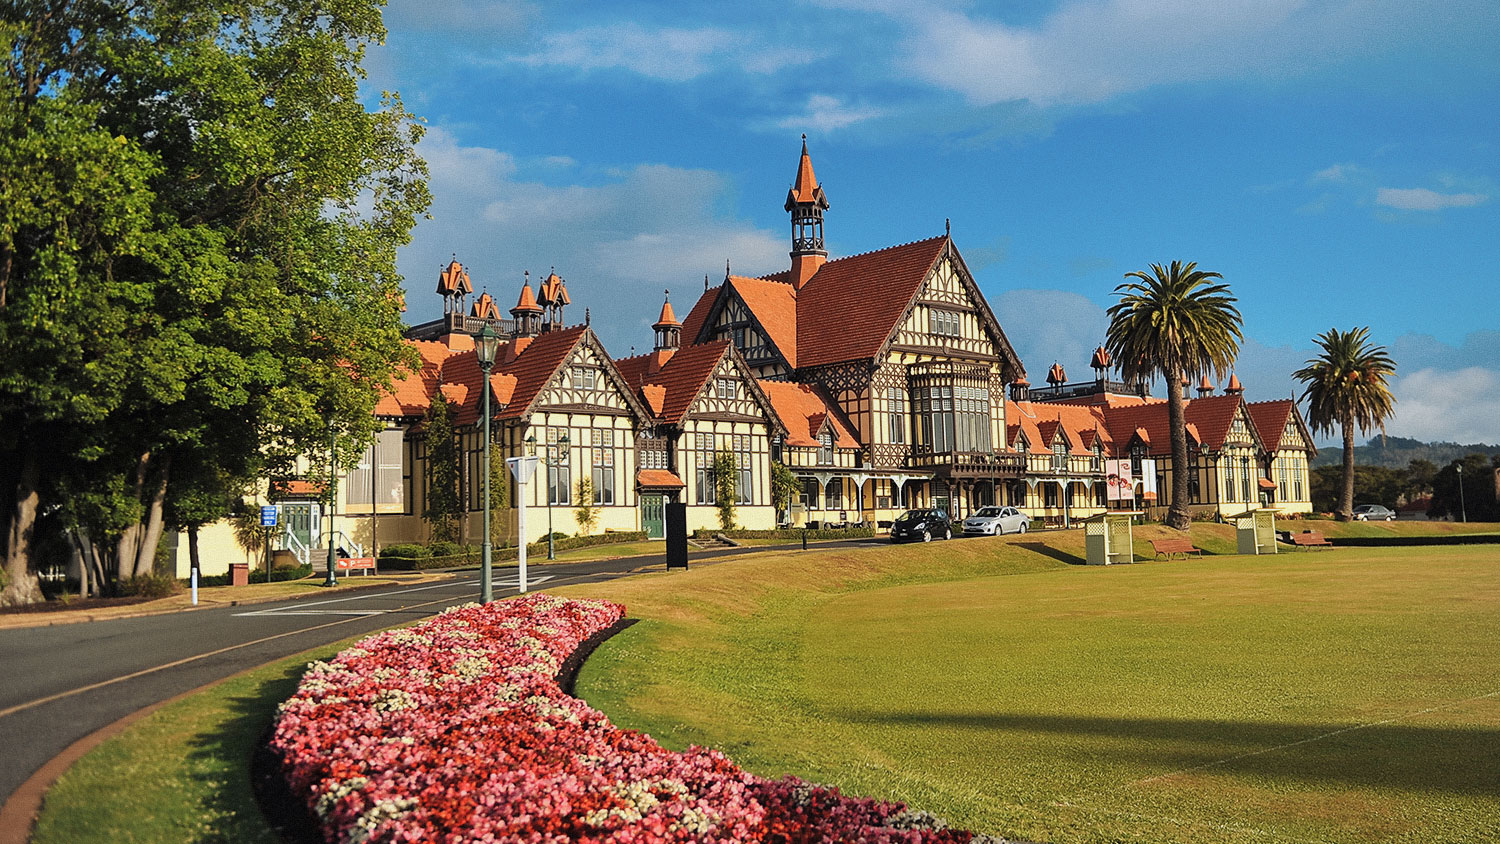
(148, 586)
(789, 534)
(446, 549)
(408, 551)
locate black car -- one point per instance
(922, 525)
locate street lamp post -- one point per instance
(485, 345)
(333, 578)
(549, 461)
(1463, 507)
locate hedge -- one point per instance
(789, 534)
(1396, 541)
(411, 562)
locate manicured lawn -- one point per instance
(181, 774)
(1347, 695)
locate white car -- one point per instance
(993, 521)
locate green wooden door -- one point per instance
(653, 519)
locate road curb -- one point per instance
(18, 815)
(41, 619)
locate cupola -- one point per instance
(668, 329)
(454, 286)
(527, 312)
(806, 202)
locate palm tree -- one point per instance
(1346, 389)
(1176, 323)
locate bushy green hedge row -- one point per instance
(422, 558)
(789, 534)
(1436, 539)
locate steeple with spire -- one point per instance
(527, 312)
(806, 202)
(668, 329)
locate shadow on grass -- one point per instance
(1451, 760)
(1048, 551)
(229, 750)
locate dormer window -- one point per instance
(825, 447)
(1096, 463)
(1138, 452)
(1059, 455)
(944, 323)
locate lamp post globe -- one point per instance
(485, 345)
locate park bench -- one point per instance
(1175, 546)
(1310, 539)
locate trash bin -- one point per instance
(239, 574)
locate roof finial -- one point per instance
(705, 282)
(947, 226)
(668, 291)
(587, 320)
(726, 269)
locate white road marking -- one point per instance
(512, 582)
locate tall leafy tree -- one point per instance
(1347, 391)
(198, 224)
(1177, 322)
(445, 503)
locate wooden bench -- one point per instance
(1310, 539)
(1175, 546)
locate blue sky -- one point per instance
(1337, 160)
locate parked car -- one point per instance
(1373, 513)
(994, 521)
(922, 525)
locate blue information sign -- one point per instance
(268, 516)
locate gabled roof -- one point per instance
(1211, 417)
(411, 391)
(851, 306)
(848, 310)
(1270, 419)
(804, 411)
(681, 378)
(1040, 422)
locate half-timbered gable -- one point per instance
(1287, 455)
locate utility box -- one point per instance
(676, 517)
(1108, 538)
(1255, 532)
(239, 574)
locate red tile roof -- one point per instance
(516, 382)
(692, 327)
(848, 309)
(527, 302)
(1040, 421)
(681, 378)
(1210, 416)
(775, 307)
(411, 392)
(802, 410)
(1270, 419)
(657, 479)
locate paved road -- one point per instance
(59, 684)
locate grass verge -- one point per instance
(1343, 696)
(181, 775)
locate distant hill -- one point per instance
(1397, 452)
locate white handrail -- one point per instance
(293, 544)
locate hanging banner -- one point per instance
(1148, 480)
(1118, 480)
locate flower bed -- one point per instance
(456, 730)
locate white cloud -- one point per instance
(1051, 325)
(618, 240)
(1450, 406)
(1336, 173)
(1422, 199)
(666, 53)
(825, 114)
(1089, 51)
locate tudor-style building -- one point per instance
(900, 340)
(880, 379)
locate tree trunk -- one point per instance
(194, 564)
(1345, 511)
(1177, 512)
(145, 561)
(22, 585)
(130, 538)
